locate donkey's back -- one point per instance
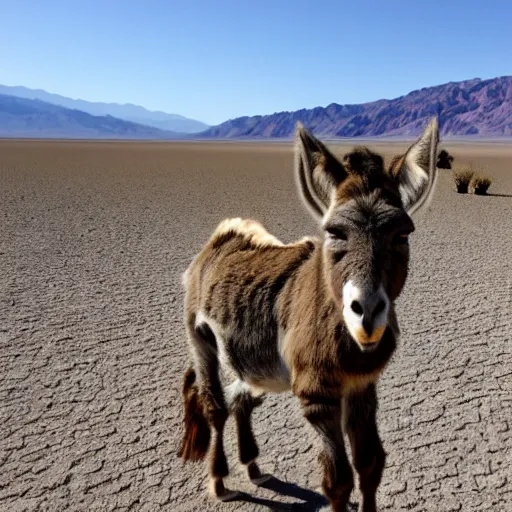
(232, 290)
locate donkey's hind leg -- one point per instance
(214, 404)
(241, 404)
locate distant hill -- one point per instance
(473, 107)
(128, 112)
(21, 117)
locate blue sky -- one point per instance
(218, 59)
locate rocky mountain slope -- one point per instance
(127, 112)
(473, 107)
(21, 117)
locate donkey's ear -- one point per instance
(317, 170)
(416, 171)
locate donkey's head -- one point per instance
(365, 211)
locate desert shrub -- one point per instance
(444, 160)
(480, 184)
(462, 180)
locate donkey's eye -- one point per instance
(336, 233)
(337, 256)
(401, 239)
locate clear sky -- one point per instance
(217, 59)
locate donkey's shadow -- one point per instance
(497, 195)
(310, 501)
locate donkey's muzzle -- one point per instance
(365, 314)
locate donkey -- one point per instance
(316, 316)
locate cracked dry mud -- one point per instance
(94, 238)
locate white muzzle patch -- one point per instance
(372, 310)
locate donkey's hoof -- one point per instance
(219, 491)
(255, 474)
(228, 495)
(261, 480)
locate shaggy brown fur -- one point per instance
(316, 317)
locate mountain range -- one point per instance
(476, 107)
(127, 112)
(472, 107)
(21, 117)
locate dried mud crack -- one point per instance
(93, 240)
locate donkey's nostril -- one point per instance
(379, 308)
(356, 308)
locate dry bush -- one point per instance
(462, 180)
(444, 160)
(480, 184)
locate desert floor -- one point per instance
(94, 237)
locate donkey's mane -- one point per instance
(366, 174)
(363, 162)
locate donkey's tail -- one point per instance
(196, 437)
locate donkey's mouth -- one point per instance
(368, 342)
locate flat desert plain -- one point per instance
(94, 239)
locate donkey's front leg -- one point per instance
(359, 414)
(324, 414)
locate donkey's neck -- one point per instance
(316, 335)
